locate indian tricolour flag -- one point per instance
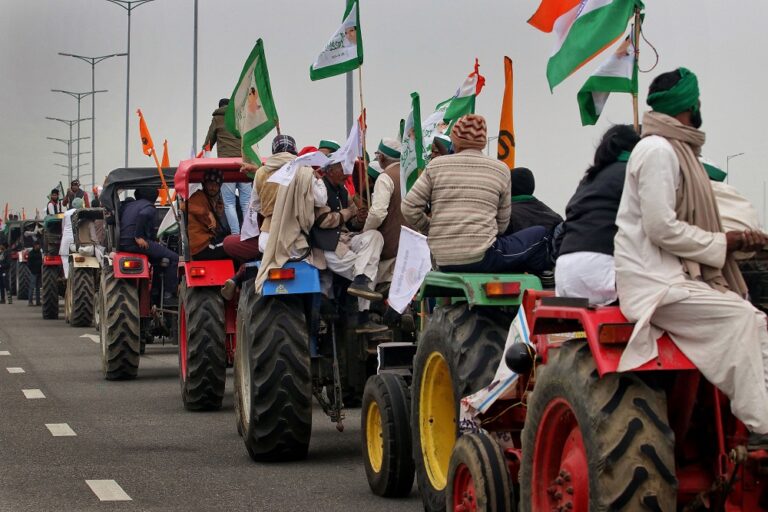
(617, 74)
(584, 28)
(344, 51)
(412, 150)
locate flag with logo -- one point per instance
(617, 74)
(412, 265)
(412, 150)
(344, 51)
(506, 144)
(251, 113)
(584, 28)
(147, 146)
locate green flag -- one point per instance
(344, 51)
(412, 152)
(251, 113)
(617, 74)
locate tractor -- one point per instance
(53, 284)
(206, 322)
(83, 267)
(131, 307)
(295, 344)
(20, 236)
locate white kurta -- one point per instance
(67, 239)
(722, 334)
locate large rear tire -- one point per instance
(23, 277)
(83, 282)
(593, 443)
(273, 377)
(49, 291)
(386, 428)
(12, 276)
(457, 355)
(120, 327)
(202, 353)
(478, 478)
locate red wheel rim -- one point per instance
(183, 341)
(560, 479)
(464, 493)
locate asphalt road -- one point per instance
(87, 439)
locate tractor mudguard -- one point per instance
(294, 278)
(207, 273)
(129, 265)
(80, 261)
(479, 289)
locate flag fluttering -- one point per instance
(251, 113)
(463, 102)
(146, 139)
(352, 149)
(166, 160)
(344, 51)
(583, 29)
(617, 74)
(412, 151)
(506, 144)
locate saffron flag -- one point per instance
(146, 139)
(251, 113)
(412, 151)
(506, 146)
(344, 51)
(617, 74)
(583, 28)
(166, 161)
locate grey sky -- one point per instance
(426, 45)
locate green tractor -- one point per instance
(53, 283)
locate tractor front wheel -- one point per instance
(593, 443)
(478, 478)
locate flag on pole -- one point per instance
(251, 113)
(166, 161)
(506, 145)
(344, 51)
(412, 152)
(584, 28)
(617, 74)
(23, 214)
(463, 102)
(146, 139)
(412, 265)
(352, 148)
(5, 214)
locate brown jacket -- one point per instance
(202, 222)
(229, 145)
(390, 228)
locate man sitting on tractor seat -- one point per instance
(137, 226)
(675, 270)
(207, 224)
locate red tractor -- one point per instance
(207, 322)
(575, 435)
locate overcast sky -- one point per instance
(410, 45)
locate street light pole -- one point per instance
(78, 96)
(93, 61)
(727, 166)
(70, 123)
(69, 143)
(129, 6)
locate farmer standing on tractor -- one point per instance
(75, 192)
(54, 205)
(675, 270)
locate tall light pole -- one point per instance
(69, 143)
(129, 6)
(93, 61)
(79, 97)
(727, 166)
(70, 123)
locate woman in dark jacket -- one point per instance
(585, 266)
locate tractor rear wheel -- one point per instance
(387, 435)
(23, 277)
(202, 354)
(457, 355)
(12, 276)
(478, 478)
(273, 380)
(83, 281)
(593, 443)
(49, 291)
(120, 326)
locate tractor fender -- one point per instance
(206, 273)
(305, 280)
(129, 265)
(80, 261)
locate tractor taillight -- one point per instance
(281, 274)
(501, 289)
(615, 334)
(131, 265)
(197, 272)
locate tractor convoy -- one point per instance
(562, 431)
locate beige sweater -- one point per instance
(470, 195)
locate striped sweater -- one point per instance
(470, 196)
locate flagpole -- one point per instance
(364, 130)
(636, 44)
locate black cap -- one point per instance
(523, 183)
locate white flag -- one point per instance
(285, 174)
(350, 151)
(412, 265)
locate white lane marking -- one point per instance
(15, 369)
(60, 429)
(4, 353)
(93, 337)
(32, 393)
(108, 490)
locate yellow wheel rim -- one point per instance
(374, 436)
(437, 419)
